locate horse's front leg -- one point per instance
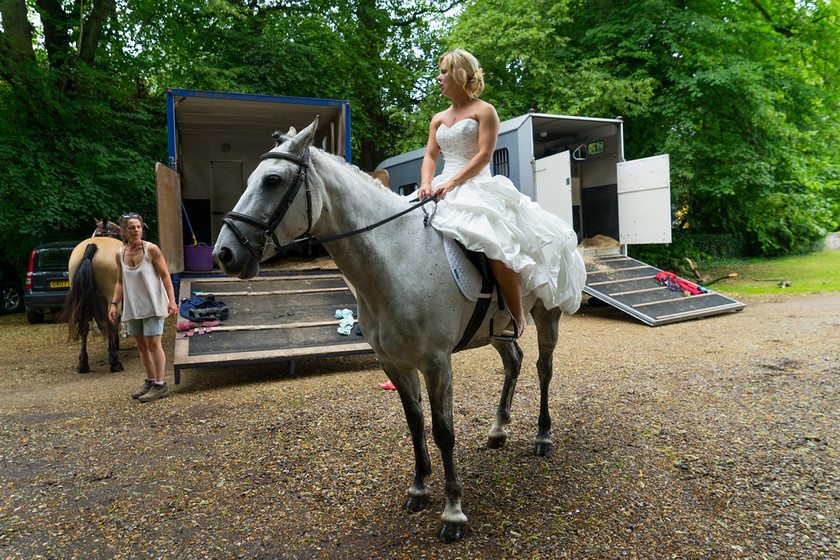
(84, 366)
(439, 386)
(511, 355)
(113, 348)
(547, 321)
(407, 383)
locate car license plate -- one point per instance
(60, 284)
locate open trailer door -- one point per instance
(170, 227)
(644, 200)
(553, 185)
(644, 206)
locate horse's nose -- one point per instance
(223, 256)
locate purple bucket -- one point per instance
(198, 257)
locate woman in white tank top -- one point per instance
(145, 290)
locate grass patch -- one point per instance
(816, 272)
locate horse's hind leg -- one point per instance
(84, 366)
(113, 348)
(511, 355)
(407, 383)
(547, 321)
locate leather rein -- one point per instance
(302, 179)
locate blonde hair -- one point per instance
(465, 69)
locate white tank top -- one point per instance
(144, 294)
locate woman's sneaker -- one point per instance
(155, 393)
(143, 390)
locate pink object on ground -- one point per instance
(388, 386)
(191, 325)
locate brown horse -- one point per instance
(93, 275)
(104, 228)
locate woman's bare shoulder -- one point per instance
(485, 110)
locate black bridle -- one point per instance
(269, 227)
(269, 237)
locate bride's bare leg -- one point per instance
(511, 287)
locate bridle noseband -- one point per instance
(269, 237)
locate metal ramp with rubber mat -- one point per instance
(632, 287)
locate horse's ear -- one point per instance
(279, 138)
(304, 139)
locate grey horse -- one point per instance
(410, 308)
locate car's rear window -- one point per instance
(52, 258)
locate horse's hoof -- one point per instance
(83, 369)
(451, 532)
(542, 448)
(415, 504)
(117, 367)
(495, 442)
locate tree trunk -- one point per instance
(15, 40)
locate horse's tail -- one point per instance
(84, 303)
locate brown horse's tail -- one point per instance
(84, 303)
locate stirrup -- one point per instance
(502, 337)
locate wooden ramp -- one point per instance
(283, 316)
(632, 287)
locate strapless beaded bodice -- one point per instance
(458, 144)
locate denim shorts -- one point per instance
(150, 326)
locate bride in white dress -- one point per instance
(529, 249)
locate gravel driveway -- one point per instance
(715, 438)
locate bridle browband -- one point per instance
(285, 203)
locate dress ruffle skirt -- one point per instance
(488, 214)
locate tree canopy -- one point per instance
(743, 95)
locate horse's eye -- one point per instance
(272, 180)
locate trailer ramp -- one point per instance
(274, 317)
(632, 287)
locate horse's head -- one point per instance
(276, 207)
(105, 228)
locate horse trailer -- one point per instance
(575, 168)
(215, 141)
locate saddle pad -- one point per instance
(466, 275)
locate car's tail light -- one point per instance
(29, 271)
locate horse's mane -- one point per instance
(338, 161)
(332, 159)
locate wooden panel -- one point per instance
(170, 226)
(282, 316)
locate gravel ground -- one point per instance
(715, 438)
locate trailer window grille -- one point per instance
(595, 148)
(501, 162)
(408, 188)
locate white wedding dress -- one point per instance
(488, 214)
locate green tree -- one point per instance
(740, 94)
(77, 134)
(369, 52)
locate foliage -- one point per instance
(742, 106)
(77, 139)
(368, 52)
(743, 95)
